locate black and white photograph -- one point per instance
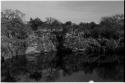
(62, 41)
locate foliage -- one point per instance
(13, 32)
(34, 23)
(113, 25)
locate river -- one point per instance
(72, 70)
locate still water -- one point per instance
(40, 67)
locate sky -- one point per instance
(75, 11)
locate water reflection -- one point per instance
(111, 72)
(44, 67)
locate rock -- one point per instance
(40, 43)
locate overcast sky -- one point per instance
(75, 11)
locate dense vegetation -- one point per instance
(74, 45)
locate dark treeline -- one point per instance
(74, 44)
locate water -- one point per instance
(42, 67)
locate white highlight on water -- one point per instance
(91, 81)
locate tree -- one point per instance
(13, 29)
(12, 22)
(113, 20)
(35, 23)
(68, 23)
(12, 16)
(51, 20)
(112, 26)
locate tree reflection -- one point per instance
(111, 72)
(45, 67)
